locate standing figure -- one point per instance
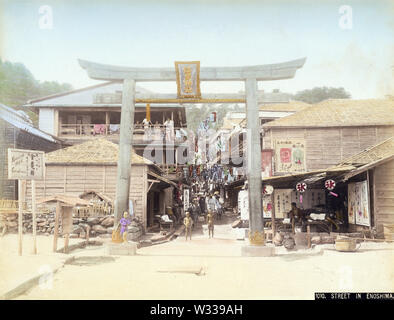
(188, 222)
(211, 203)
(202, 204)
(169, 130)
(147, 129)
(210, 224)
(218, 205)
(124, 222)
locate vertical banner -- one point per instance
(267, 205)
(185, 199)
(243, 204)
(358, 204)
(290, 156)
(266, 163)
(282, 202)
(188, 79)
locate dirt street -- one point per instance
(213, 269)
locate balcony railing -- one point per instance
(157, 132)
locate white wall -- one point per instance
(46, 120)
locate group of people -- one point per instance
(208, 206)
(154, 131)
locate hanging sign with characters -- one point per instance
(290, 156)
(358, 203)
(188, 79)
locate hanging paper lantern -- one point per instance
(301, 187)
(330, 184)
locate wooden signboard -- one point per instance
(25, 164)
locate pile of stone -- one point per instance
(96, 226)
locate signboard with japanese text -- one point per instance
(188, 79)
(186, 199)
(267, 205)
(358, 204)
(290, 156)
(25, 164)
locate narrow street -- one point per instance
(213, 269)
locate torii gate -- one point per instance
(249, 74)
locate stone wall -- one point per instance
(101, 227)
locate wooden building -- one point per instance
(92, 166)
(363, 195)
(17, 132)
(326, 133)
(376, 166)
(94, 112)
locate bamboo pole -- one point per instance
(20, 214)
(34, 214)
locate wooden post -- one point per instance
(308, 230)
(273, 215)
(107, 122)
(21, 199)
(34, 213)
(125, 147)
(66, 240)
(56, 229)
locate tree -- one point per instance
(318, 94)
(18, 85)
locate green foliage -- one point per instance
(18, 85)
(195, 114)
(318, 94)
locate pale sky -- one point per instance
(215, 32)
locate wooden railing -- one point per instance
(148, 133)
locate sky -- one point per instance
(358, 56)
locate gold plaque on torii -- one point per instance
(188, 79)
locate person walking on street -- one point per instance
(212, 203)
(202, 204)
(218, 206)
(210, 224)
(188, 222)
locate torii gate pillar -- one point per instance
(256, 227)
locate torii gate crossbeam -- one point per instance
(249, 74)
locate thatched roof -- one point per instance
(291, 106)
(96, 151)
(340, 113)
(375, 153)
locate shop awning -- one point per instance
(310, 178)
(162, 179)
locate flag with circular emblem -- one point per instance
(330, 184)
(301, 186)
